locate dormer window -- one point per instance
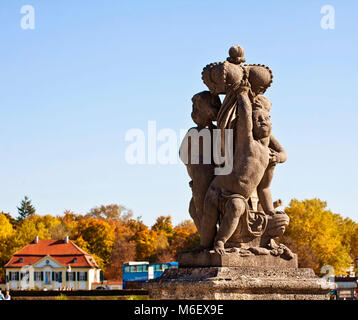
(75, 260)
(21, 260)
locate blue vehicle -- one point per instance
(137, 272)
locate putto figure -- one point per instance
(205, 109)
(230, 156)
(222, 206)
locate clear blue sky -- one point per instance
(91, 70)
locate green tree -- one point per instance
(26, 209)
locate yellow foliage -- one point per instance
(318, 228)
(6, 229)
(99, 236)
(319, 236)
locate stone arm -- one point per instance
(277, 155)
(277, 152)
(244, 115)
(264, 191)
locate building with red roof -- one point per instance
(51, 265)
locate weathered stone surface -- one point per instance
(239, 283)
(238, 257)
(234, 259)
(223, 189)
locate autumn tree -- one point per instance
(12, 220)
(146, 241)
(98, 236)
(306, 257)
(29, 228)
(109, 233)
(60, 230)
(317, 234)
(6, 247)
(112, 211)
(123, 251)
(349, 229)
(185, 237)
(164, 225)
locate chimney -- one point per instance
(36, 240)
(66, 239)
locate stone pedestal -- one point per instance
(239, 283)
(235, 258)
(238, 275)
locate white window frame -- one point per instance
(82, 276)
(37, 275)
(57, 275)
(70, 276)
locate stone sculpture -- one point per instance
(225, 199)
(239, 257)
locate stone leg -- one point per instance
(209, 219)
(234, 209)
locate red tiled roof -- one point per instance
(64, 253)
(26, 260)
(50, 247)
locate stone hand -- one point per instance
(244, 86)
(219, 247)
(274, 157)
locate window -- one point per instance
(70, 276)
(138, 268)
(157, 267)
(57, 276)
(13, 276)
(164, 266)
(37, 276)
(82, 276)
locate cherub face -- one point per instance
(261, 124)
